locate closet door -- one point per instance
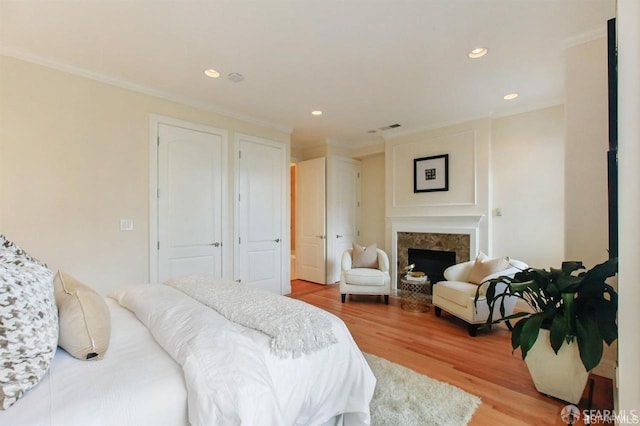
(262, 242)
(190, 200)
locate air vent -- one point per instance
(382, 129)
(236, 77)
(390, 126)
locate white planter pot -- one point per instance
(562, 376)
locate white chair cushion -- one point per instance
(457, 292)
(365, 276)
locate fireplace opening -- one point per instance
(431, 262)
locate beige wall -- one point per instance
(527, 174)
(629, 174)
(586, 118)
(74, 160)
(372, 207)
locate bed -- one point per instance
(174, 360)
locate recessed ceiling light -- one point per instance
(211, 73)
(316, 112)
(478, 52)
(510, 96)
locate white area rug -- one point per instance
(404, 397)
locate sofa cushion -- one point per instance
(365, 257)
(457, 292)
(85, 321)
(28, 323)
(364, 276)
(484, 266)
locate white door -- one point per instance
(343, 211)
(261, 204)
(310, 220)
(189, 202)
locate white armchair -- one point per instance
(365, 280)
(456, 294)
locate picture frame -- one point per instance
(431, 174)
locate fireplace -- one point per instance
(457, 234)
(431, 262)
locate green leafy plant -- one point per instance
(570, 302)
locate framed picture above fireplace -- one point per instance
(431, 174)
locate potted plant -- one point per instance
(573, 312)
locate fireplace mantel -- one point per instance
(469, 225)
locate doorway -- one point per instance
(327, 212)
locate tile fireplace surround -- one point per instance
(457, 243)
(458, 234)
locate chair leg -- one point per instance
(437, 310)
(344, 296)
(473, 330)
(386, 299)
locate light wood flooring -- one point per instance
(441, 348)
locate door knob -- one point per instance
(216, 244)
(320, 236)
(338, 236)
(277, 240)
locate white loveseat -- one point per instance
(456, 294)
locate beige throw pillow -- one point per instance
(365, 257)
(85, 322)
(485, 266)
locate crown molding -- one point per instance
(520, 109)
(134, 87)
(584, 37)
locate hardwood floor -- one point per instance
(441, 348)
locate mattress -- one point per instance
(137, 383)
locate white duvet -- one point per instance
(231, 375)
(223, 374)
(136, 384)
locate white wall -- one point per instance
(468, 146)
(74, 160)
(527, 174)
(587, 142)
(628, 22)
(372, 208)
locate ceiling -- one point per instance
(365, 63)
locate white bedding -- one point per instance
(233, 377)
(137, 383)
(228, 373)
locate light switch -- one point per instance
(498, 212)
(126, 224)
